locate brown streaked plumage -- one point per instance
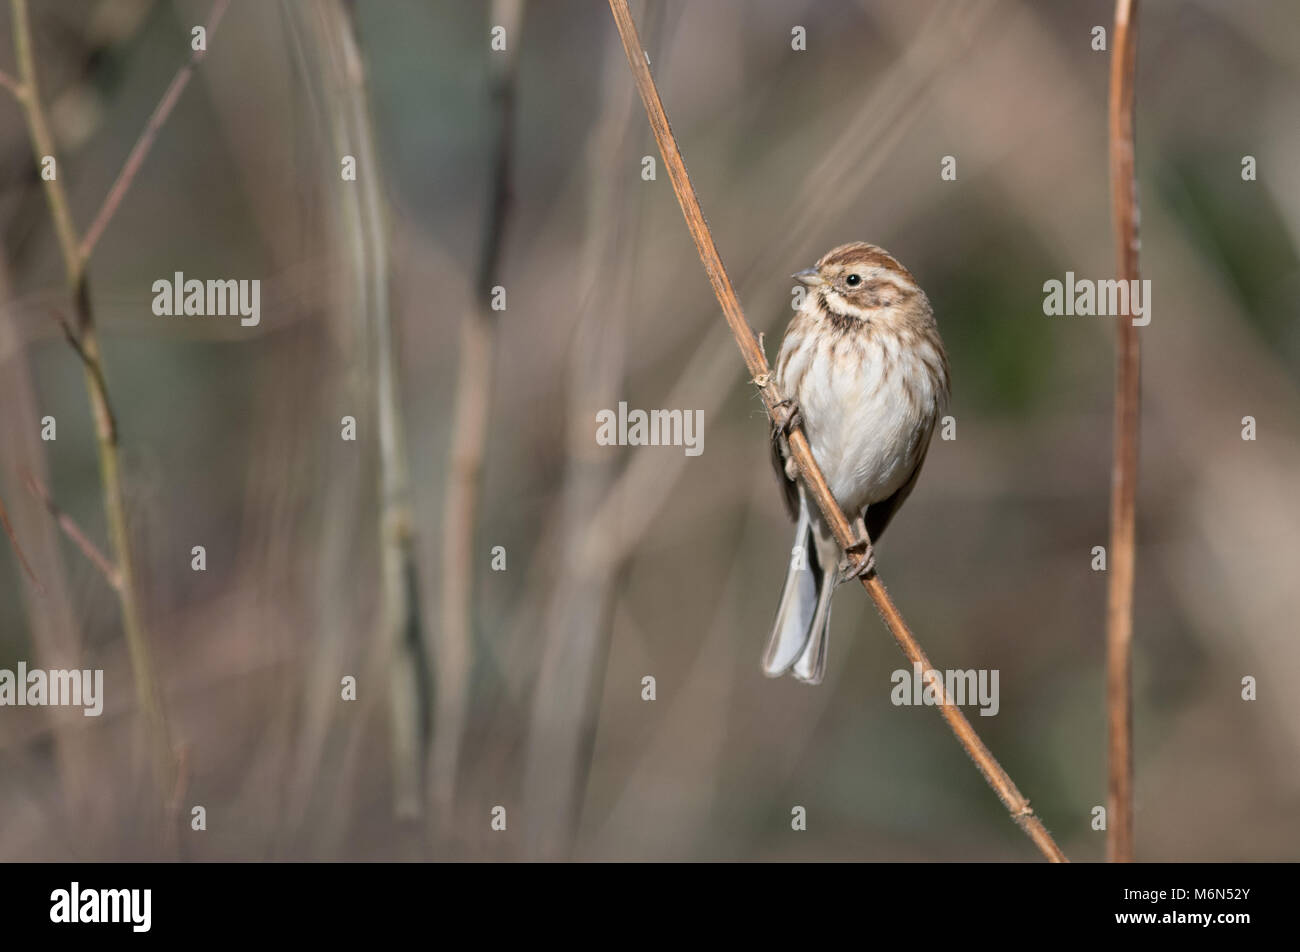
(864, 368)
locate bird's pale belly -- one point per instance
(863, 432)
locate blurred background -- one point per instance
(497, 583)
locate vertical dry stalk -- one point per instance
(409, 677)
(1123, 494)
(756, 363)
(341, 351)
(366, 227)
(469, 433)
(148, 689)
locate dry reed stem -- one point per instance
(1123, 498)
(314, 714)
(756, 364)
(367, 233)
(148, 689)
(471, 411)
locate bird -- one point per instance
(863, 371)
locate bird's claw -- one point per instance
(860, 558)
(786, 416)
(861, 565)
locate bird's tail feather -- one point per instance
(803, 617)
(811, 665)
(794, 613)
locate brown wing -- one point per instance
(878, 514)
(791, 490)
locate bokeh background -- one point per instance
(623, 563)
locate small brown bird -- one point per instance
(863, 370)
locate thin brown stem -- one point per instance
(74, 533)
(43, 141)
(18, 549)
(1123, 496)
(756, 364)
(11, 84)
(148, 689)
(142, 146)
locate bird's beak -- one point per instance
(808, 276)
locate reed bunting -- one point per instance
(862, 369)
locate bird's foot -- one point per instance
(786, 416)
(860, 558)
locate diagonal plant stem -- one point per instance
(148, 689)
(74, 533)
(142, 146)
(18, 549)
(1123, 493)
(760, 373)
(28, 96)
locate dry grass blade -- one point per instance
(1123, 497)
(756, 363)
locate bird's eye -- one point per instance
(853, 280)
